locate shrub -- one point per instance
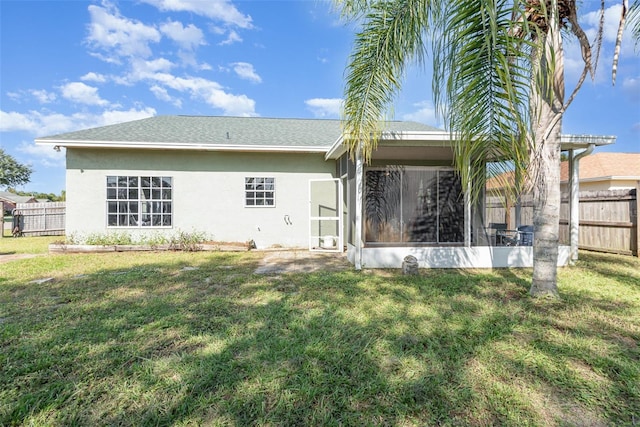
(187, 241)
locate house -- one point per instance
(9, 201)
(605, 171)
(283, 183)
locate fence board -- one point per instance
(608, 219)
(41, 219)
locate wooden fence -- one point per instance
(40, 219)
(608, 219)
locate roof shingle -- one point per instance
(217, 130)
(600, 165)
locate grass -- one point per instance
(10, 245)
(177, 338)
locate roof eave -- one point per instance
(182, 146)
(572, 142)
(338, 148)
(606, 178)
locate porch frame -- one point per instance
(466, 256)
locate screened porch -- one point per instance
(409, 201)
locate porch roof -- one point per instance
(445, 139)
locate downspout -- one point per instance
(574, 191)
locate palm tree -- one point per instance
(498, 81)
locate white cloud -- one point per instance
(94, 77)
(14, 96)
(219, 10)
(45, 155)
(160, 93)
(82, 94)
(141, 69)
(189, 59)
(611, 21)
(209, 92)
(324, 107)
(13, 121)
(425, 113)
(119, 36)
(163, 95)
(111, 117)
(188, 37)
(43, 96)
(322, 56)
(204, 66)
(245, 71)
(48, 123)
(233, 37)
(590, 21)
(631, 86)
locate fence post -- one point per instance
(637, 219)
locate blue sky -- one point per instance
(69, 65)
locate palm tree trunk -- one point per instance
(546, 192)
(546, 216)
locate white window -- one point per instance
(139, 201)
(259, 192)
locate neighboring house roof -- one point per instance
(605, 166)
(14, 198)
(217, 133)
(497, 182)
(595, 167)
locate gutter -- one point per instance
(170, 146)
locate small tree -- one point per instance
(12, 173)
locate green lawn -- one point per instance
(26, 245)
(138, 339)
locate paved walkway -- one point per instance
(301, 261)
(4, 257)
(273, 262)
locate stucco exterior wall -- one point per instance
(208, 192)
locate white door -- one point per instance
(325, 215)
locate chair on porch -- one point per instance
(525, 235)
(497, 231)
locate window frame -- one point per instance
(135, 201)
(255, 182)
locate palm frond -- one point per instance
(392, 36)
(634, 20)
(585, 47)
(616, 52)
(352, 9)
(483, 82)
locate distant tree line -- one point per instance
(50, 196)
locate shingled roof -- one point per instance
(594, 167)
(211, 132)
